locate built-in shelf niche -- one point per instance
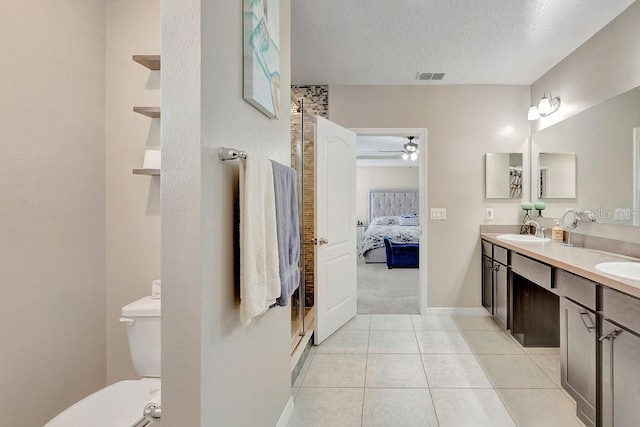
(151, 172)
(152, 62)
(153, 112)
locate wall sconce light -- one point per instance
(547, 106)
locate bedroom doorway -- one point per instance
(391, 195)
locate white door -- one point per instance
(335, 228)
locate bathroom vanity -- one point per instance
(546, 294)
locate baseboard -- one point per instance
(457, 311)
(286, 414)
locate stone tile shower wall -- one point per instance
(316, 102)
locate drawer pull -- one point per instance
(589, 326)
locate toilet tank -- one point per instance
(142, 320)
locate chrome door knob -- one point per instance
(323, 241)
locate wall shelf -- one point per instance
(152, 62)
(153, 112)
(151, 172)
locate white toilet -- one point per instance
(121, 404)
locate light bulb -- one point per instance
(414, 156)
(405, 156)
(533, 113)
(544, 106)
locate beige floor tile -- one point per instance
(476, 323)
(534, 408)
(336, 370)
(454, 371)
(446, 342)
(360, 322)
(391, 322)
(304, 370)
(345, 342)
(491, 342)
(433, 323)
(550, 364)
(470, 407)
(514, 371)
(398, 407)
(542, 350)
(324, 407)
(395, 370)
(393, 342)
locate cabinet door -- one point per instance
(487, 284)
(501, 300)
(578, 342)
(620, 377)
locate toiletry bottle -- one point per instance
(557, 234)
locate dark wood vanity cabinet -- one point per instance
(579, 342)
(495, 282)
(620, 360)
(487, 283)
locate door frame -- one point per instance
(421, 133)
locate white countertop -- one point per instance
(579, 261)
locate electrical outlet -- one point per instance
(488, 214)
(439, 214)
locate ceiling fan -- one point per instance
(409, 151)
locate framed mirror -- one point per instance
(503, 175)
(556, 176)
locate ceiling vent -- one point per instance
(430, 76)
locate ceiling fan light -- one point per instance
(410, 147)
(405, 156)
(533, 113)
(414, 156)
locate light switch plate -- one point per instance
(439, 213)
(488, 214)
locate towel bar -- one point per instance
(231, 154)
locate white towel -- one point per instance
(259, 264)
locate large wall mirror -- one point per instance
(603, 143)
(503, 175)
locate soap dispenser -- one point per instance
(557, 233)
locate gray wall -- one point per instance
(461, 127)
(132, 201)
(215, 372)
(52, 188)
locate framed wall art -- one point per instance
(262, 55)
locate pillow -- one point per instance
(408, 220)
(385, 220)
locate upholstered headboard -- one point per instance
(392, 202)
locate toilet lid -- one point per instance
(118, 405)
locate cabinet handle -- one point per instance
(584, 322)
(611, 335)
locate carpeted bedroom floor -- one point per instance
(384, 291)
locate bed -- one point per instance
(387, 210)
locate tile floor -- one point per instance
(412, 370)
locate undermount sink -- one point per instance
(625, 270)
(522, 238)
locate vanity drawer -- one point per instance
(621, 309)
(487, 249)
(501, 255)
(535, 271)
(576, 288)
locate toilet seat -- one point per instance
(118, 405)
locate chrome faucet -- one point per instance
(539, 230)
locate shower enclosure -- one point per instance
(302, 160)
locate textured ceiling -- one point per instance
(472, 41)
